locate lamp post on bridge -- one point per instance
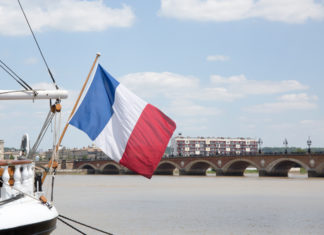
(260, 142)
(309, 143)
(286, 145)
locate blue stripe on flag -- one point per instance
(96, 110)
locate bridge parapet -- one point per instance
(266, 164)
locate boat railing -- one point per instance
(17, 177)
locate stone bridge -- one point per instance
(267, 165)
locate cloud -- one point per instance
(217, 79)
(175, 86)
(193, 125)
(189, 108)
(302, 97)
(288, 11)
(186, 96)
(283, 126)
(216, 94)
(31, 61)
(287, 102)
(183, 93)
(43, 86)
(312, 124)
(152, 84)
(65, 15)
(221, 58)
(239, 84)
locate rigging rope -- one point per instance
(11, 75)
(39, 49)
(55, 153)
(71, 226)
(88, 226)
(45, 126)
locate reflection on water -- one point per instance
(292, 175)
(192, 205)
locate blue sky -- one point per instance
(234, 68)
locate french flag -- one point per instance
(125, 127)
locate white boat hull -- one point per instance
(27, 216)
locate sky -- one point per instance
(218, 68)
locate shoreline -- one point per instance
(247, 174)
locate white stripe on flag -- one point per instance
(114, 137)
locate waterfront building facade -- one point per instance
(211, 146)
(1, 149)
(90, 153)
(12, 154)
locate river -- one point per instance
(191, 205)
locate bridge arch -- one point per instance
(89, 167)
(166, 168)
(199, 167)
(320, 168)
(237, 167)
(110, 168)
(281, 166)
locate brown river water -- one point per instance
(191, 205)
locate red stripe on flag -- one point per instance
(148, 141)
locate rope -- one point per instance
(39, 49)
(45, 126)
(57, 127)
(71, 226)
(6, 70)
(88, 226)
(13, 73)
(52, 186)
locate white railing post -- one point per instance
(17, 178)
(6, 189)
(30, 179)
(24, 178)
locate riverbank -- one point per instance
(72, 172)
(249, 172)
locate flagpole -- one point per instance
(50, 163)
